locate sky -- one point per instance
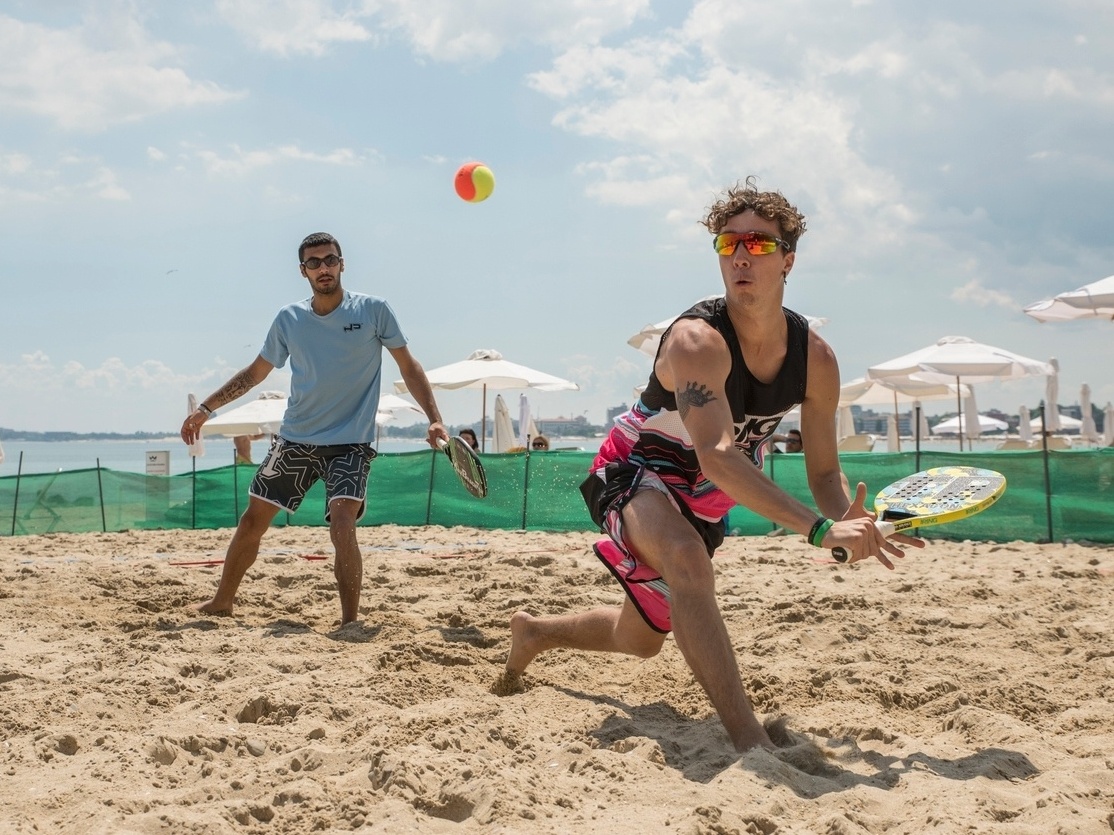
(160, 162)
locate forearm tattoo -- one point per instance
(693, 394)
(240, 384)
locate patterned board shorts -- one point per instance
(606, 492)
(290, 469)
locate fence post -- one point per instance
(100, 492)
(429, 498)
(1047, 477)
(15, 501)
(525, 485)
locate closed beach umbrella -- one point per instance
(1091, 301)
(1088, 430)
(485, 368)
(1052, 420)
(503, 437)
(1024, 428)
(527, 429)
(845, 423)
(1108, 425)
(893, 443)
(971, 417)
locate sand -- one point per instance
(968, 691)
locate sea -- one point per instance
(132, 456)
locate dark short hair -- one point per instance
(467, 431)
(317, 239)
(796, 432)
(771, 205)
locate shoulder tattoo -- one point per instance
(693, 394)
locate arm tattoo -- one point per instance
(694, 394)
(241, 383)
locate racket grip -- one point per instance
(885, 528)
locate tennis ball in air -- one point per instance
(474, 182)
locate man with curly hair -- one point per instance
(726, 372)
(334, 341)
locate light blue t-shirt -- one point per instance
(336, 364)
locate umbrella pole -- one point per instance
(959, 412)
(898, 422)
(917, 434)
(483, 422)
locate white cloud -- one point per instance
(66, 76)
(70, 177)
(444, 30)
(293, 27)
(975, 293)
(240, 162)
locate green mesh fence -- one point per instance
(1067, 494)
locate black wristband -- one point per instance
(205, 409)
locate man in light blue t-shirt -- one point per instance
(334, 341)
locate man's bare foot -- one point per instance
(211, 607)
(525, 642)
(508, 684)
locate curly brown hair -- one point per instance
(771, 205)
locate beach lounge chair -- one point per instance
(857, 443)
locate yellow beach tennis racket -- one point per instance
(933, 497)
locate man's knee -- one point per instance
(647, 645)
(687, 567)
(343, 515)
(256, 518)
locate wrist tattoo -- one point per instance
(693, 394)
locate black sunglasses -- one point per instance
(315, 263)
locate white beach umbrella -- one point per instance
(1088, 430)
(958, 424)
(648, 339)
(1052, 421)
(262, 416)
(503, 437)
(485, 368)
(197, 448)
(1091, 301)
(959, 359)
(1024, 427)
(392, 407)
(1068, 424)
(1108, 425)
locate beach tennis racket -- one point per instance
(467, 465)
(933, 497)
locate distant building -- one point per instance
(615, 411)
(563, 426)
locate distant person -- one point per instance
(539, 443)
(791, 439)
(726, 372)
(470, 436)
(334, 341)
(242, 443)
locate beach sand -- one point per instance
(968, 691)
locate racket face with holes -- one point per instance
(938, 496)
(467, 465)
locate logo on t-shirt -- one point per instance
(355, 326)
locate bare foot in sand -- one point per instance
(524, 643)
(211, 607)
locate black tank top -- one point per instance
(756, 407)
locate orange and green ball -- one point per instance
(474, 182)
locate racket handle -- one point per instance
(841, 554)
(443, 445)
